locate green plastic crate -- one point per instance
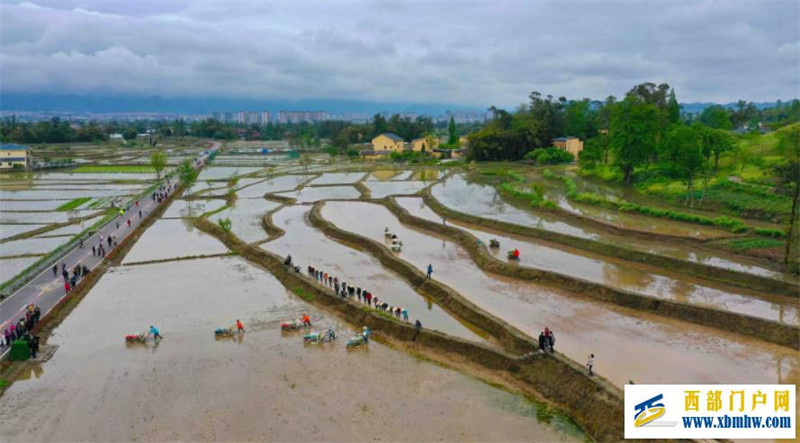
(20, 350)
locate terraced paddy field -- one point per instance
(56, 205)
(485, 201)
(230, 385)
(685, 352)
(385, 390)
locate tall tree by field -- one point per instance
(158, 160)
(579, 119)
(187, 174)
(684, 153)
(651, 94)
(715, 142)
(452, 137)
(716, 117)
(634, 125)
(379, 125)
(788, 183)
(129, 134)
(673, 108)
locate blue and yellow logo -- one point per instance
(649, 410)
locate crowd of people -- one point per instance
(23, 330)
(344, 290)
(159, 194)
(547, 340)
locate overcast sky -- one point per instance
(471, 53)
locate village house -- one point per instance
(14, 157)
(573, 145)
(388, 142)
(421, 144)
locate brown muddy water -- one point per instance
(484, 201)
(309, 246)
(263, 385)
(623, 275)
(628, 344)
(168, 239)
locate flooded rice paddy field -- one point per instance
(484, 201)
(192, 208)
(336, 178)
(623, 275)
(169, 239)
(313, 194)
(246, 216)
(43, 217)
(201, 186)
(639, 222)
(12, 230)
(383, 189)
(309, 246)
(272, 185)
(263, 385)
(10, 267)
(30, 205)
(31, 246)
(388, 174)
(225, 172)
(628, 344)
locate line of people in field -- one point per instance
(345, 290)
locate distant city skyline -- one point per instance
(466, 54)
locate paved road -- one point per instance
(47, 289)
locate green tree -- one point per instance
(685, 153)
(673, 108)
(716, 142)
(716, 117)
(158, 160)
(788, 183)
(129, 134)
(187, 174)
(579, 119)
(452, 137)
(634, 125)
(593, 152)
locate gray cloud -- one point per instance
(471, 53)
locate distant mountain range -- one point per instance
(189, 106)
(99, 104)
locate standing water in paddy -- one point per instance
(484, 201)
(310, 247)
(624, 275)
(626, 342)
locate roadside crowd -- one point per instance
(23, 330)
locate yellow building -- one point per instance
(387, 142)
(14, 156)
(573, 145)
(421, 144)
